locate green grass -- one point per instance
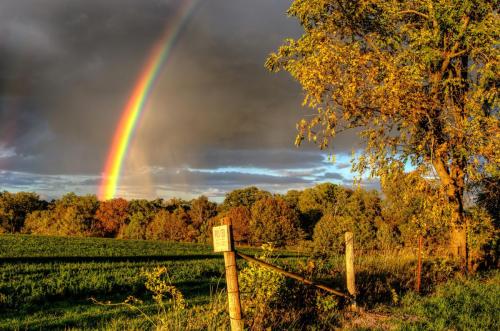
(460, 304)
(46, 282)
(30, 246)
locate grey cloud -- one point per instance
(333, 175)
(258, 158)
(48, 186)
(232, 178)
(67, 69)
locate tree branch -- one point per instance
(432, 14)
(454, 48)
(459, 53)
(410, 11)
(444, 175)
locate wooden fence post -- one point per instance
(233, 290)
(349, 261)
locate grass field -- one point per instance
(46, 282)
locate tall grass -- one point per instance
(383, 278)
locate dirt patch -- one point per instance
(368, 320)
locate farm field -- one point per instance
(46, 282)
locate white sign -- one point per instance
(222, 240)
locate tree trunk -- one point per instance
(458, 238)
(458, 245)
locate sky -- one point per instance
(216, 120)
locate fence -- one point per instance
(223, 242)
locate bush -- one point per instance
(260, 290)
(273, 302)
(172, 311)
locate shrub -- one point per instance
(172, 309)
(260, 290)
(271, 301)
(483, 238)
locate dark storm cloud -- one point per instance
(67, 68)
(237, 178)
(259, 158)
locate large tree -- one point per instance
(71, 215)
(243, 197)
(417, 78)
(274, 221)
(111, 216)
(14, 207)
(201, 211)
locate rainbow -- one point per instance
(138, 99)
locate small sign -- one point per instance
(222, 239)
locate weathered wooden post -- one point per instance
(349, 261)
(223, 242)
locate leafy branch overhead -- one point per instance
(418, 78)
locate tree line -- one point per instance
(409, 206)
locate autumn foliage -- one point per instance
(110, 216)
(316, 217)
(240, 217)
